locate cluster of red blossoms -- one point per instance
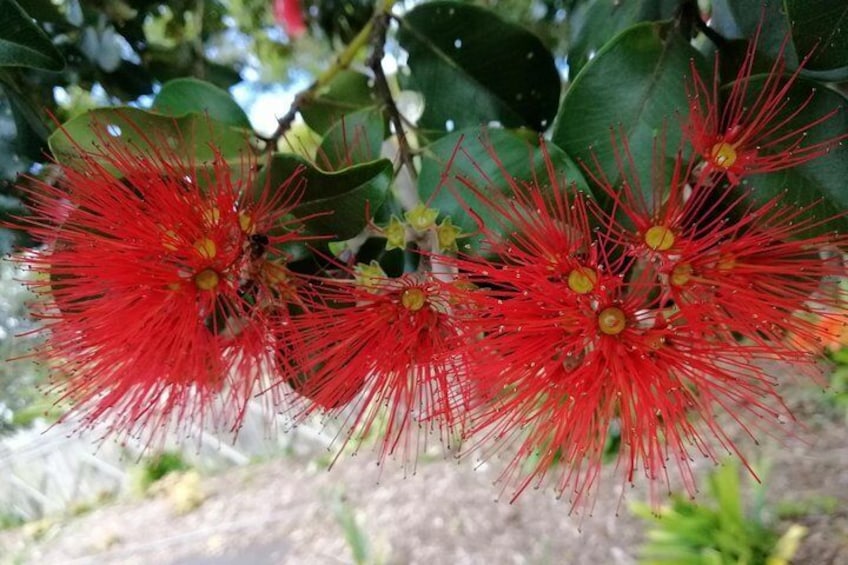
(168, 294)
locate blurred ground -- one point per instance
(291, 510)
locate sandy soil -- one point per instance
(290, 511)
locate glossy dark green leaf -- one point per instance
(634, 87)
(820, 183)
(346, 93)
(820, 27)
(183, 96)
(474, 68)
(356, 138)
(597, 21)
(23, 43)
(482, 158)
(337, 203)
(747, 18)
(193, 136)
(30, 131)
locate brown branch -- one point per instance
(341, 62)
(381, 85)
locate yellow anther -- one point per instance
(413, 299)
(612, 321)
(206, 248)
(206, 279)
(681, 274)
(582, 280)
(211, 216)
(723, 155)
(170, 240)
(659, 238)
(726, 262)
(274, 273)
(245, 222)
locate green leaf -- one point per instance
(468, 155)
(635, 87)
(346, 93)
(194, 136)
(23, 43)
(29, 134)
(356, 138)
(819, 183)
(595, 22)
(768, 18)
(820, 27)
(334, 203)
(474, 68)
(183, 96)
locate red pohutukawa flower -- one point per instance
(162, 290)
(386, 359)
(583, 329)
(753, 129)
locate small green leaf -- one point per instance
(635, 88)
(23, 43)
(346, 93)
(473, 68)
(183, 96)
(470, 155)
(194, 136)
(820, 27)
(336, 203)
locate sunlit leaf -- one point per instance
(474, 68)
(183, 96)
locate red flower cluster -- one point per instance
(162, 286)
(386, 355)
(632, 318)
(582, 322)
(758, 126)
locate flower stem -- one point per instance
(341, 62)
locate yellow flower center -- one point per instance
(245, 222)
(206, 248)
(274, 273)
(206, 279)
(681, 274)
(170, 240)
(723, 155)
(211, 216)
(612, 321)
(582, 280)
(413, 299)
(659, 238)
(726, 263)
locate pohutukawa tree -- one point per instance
(555, 263)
